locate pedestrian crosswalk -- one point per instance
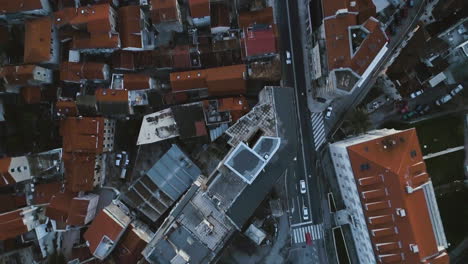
(318, 129)
(299, 233)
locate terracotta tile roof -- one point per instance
(263, 16)
(79, 171)
(130, 247)
(9, 6)
(199, 8)
(12, 202)
(5, 175)
(111, 95)
(12, 225)
(134, 81)
(259, 41)
(82, 210)
(339, 48)
(227, 80)
(37, 40)
(17, 75)
(77, 71)
(164, 11)
(219, 15)
(181, 57)
(96, 18)
(383, 167)
(82, 134)
(129, 26)
(365, 7)
(67, 108)
(59, 205)
(31, 94)
(96, 41)
(108, 224)
(44, 192)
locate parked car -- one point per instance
(302, 185)
(425, 109)
(288, 57)
(305, 213)
(419, 108)
(308, 238)
(457, 89)
(329, 112)
(410, 3)
(416, 94)
(122, 161)
(409, 115)
(444, 99)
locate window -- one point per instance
(413, 153)
(365, 166)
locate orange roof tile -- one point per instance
(44, 192)
(31, 94)
(82, 134)
(58, 207)
(96, 41)
(97, 18)
(130, 247)
(129, 26)
(17, 75)
(77, 71)
(12, 202)
(188, 80)
(199, 8)
(133, 81)
(393, 158)
(111, 95)
(9, 6)
(263, 16)
(367, 7)
(67, 108)
(12, 225)
(79, 171)
(164, 11)
(38, 40)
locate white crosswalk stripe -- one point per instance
(299, 233)
(318, 129)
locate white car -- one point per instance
(329, 112)
(288, 57)
(444, 99)
(305, 213)
(456, 90)
(302, 185)
(416, 94)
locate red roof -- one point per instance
(364, 7)
(17, 75)
(181, 57)
(133, 81)
(259, 42)
(164, 11)
(79, 171)
(105, 224)
(5, 176)
(111, 95)
(130, 247)
(393, 163)
(12, 225)
(82, 134)
(77, 71)
(338, 43)
(44, 192)
(129, 26)
(67, 108)
(199, 8)
(38, 40)
(11, 202)
(31, 94)
(227, 80)
(9, 6)
(59, 205)
(263, 16)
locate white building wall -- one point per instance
(19, 169)
(109, 131)
(41, 75)
(55, 46)
(352, 202)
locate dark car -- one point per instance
(419, 108)
(409, 115)
(425, 109)
(308, 238)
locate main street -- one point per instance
(303, 166)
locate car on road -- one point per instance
(416, 94)
(424, 109)
(444, 99)
(457, 89)
(305, 213)
(302, 185)
(410, 3)
(308, 238)
(328, 113)
(409, 115)
(288, 57)
(122, 161)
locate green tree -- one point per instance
(359, 121)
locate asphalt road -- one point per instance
(303, 165)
